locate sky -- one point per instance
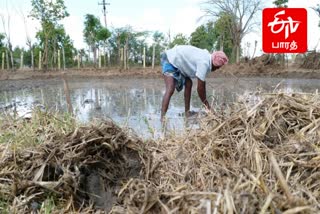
(176, 16)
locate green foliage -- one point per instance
(22, 133)
(3, 206)
(179, 39)
(103, 34)
(2, 46)
(158, 37)
(136, 42)
(48, 206)
(2, 37)
(92, 26)
(95, 35)
(281, 3)
(200, 38)
(159, 43)
(214, 35)
(48, 11)
(223, 34)
(58, 40)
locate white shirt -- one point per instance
(190, 61)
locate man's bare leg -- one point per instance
(170, 86)
(187, 95)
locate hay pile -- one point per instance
(261, 158)
(86, 167)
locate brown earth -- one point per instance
(263, 66)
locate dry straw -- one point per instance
(261, 158)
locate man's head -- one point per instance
(218, 58)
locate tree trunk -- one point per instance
(94, 50)
(55, 57)
(7, 59)
(2, 64)
(12, 63)
(59, 64)
(32, 59)
(221, 43)
(45, 57)
(144, 57)
(119, 50)
(78, 59)
(21, 60)
(238, 54)
(40, 61)
(238, 48)
(63, 59)
(153, 55)
(125, 58)
(233, 54)
(126, 53)
(255, 48)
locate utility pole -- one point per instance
(104, 3)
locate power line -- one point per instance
(104, 4)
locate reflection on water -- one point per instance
(137, 104)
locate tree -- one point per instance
(8, 37)
(58, 40)
(2, 46)
(213, 36)
(241, 13)
(317, 10)
(200, 38)
(28, 40)
(179, 39)
(158, 46)
(132, 41)
(102, 37)
(223, 35)
(94, 34)
(281, 3)
(48, 13)
(2, 37)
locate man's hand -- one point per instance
(202, 93)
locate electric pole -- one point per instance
(104, 3)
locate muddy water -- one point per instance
(134, 103)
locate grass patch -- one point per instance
(24, 133)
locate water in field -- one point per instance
(134, 103)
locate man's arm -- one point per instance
(201, 88)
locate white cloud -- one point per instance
(74, 28)
(185, 20)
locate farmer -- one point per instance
(182, 63)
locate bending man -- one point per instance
(182, 63)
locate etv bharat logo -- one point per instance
(284, 30)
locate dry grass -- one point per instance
(261, 158)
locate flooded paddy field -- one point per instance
(134, 102)
(261, 155)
